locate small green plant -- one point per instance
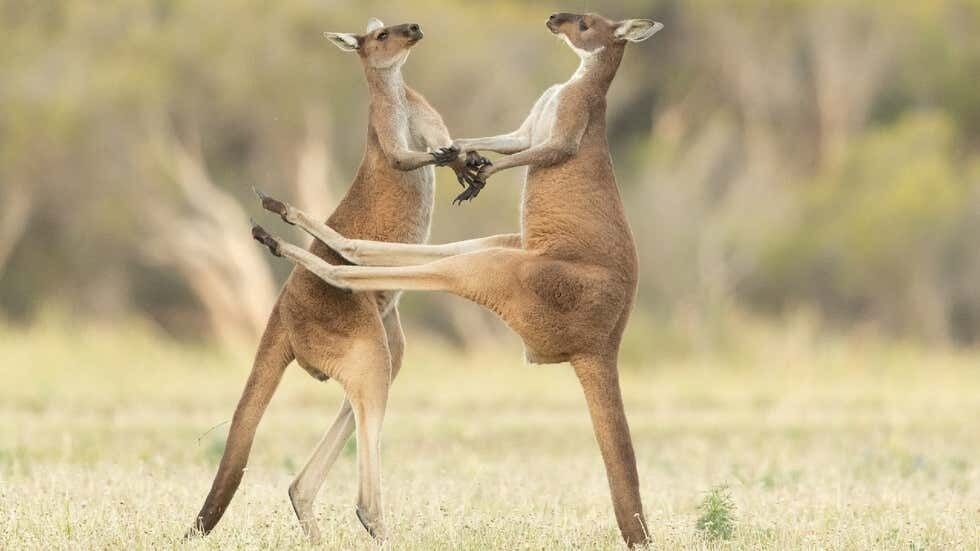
(717, 518)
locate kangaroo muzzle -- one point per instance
(412, 32)
(556, 20)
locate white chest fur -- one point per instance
(545, 112)
(544, 121)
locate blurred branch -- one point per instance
(15, 213)
(209, 244)
(850, 57)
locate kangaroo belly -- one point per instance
(323, 321)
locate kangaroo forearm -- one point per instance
(406, 160)
(506, 144)
(542, 155)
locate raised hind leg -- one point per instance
(381, 253)
(487, 276)
(306, 486)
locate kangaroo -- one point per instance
(355, 339)
(566, 283)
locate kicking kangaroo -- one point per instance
(566, 284)
(354, 338)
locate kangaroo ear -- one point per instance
(374, 24)
(637, 30)
(345, 41)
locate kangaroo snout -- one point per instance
(414, 32)
(557, 19)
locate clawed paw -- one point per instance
(469, 193)
(476, 161)
(469, 172)
(445, 155)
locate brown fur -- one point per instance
(353, 338)
(568, 290)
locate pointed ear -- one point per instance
(374, 24)
(637, 30)
(345, 41)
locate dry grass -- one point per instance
(838, 446)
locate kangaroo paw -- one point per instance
(476, 161)
(445, 155)
(469, 193)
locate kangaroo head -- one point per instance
(588, 33)
(379, 47)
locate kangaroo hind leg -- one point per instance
(273, 355)
(303, 490)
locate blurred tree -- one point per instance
(817, 154)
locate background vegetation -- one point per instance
(803, 178)
(819, 155)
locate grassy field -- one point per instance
(104, 444)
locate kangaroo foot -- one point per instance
(274, 205)
(259, 234)
(372, 523)
(192, 533)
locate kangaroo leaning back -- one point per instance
(355, 339)
(566, 284)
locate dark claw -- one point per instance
(445, 155)
(469, 193)
(259, 234)
(476, 161)
(272, 205)
(466, 176)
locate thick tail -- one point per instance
(273, 355)
(600, 382)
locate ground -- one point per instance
(104, 444)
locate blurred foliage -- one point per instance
(821, 155)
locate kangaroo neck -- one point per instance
(597, 70)
(386, 84)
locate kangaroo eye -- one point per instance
(582, 26)
(383, 35)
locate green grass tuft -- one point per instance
(717, 519)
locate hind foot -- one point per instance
(372, 523)
(259, 234)
(276, 206)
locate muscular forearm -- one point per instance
(506, 144)
(542, 155)
(406, 160)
